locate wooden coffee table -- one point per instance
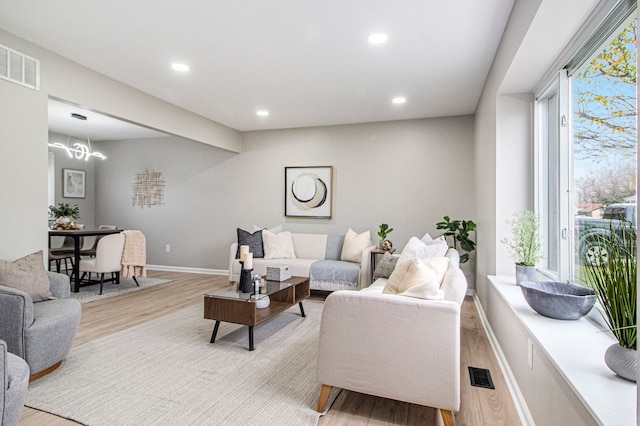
(230, 305)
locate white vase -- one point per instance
(63, 219)
(525, 273)
(622, 361)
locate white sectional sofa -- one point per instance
(316, 256)
(395, 346)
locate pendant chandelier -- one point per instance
(78, 150)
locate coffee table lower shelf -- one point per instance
(233, 307)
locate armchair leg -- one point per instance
(447, 417)
(101, 282)
(324, 397)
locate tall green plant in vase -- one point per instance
(614, 281)
(525, 245)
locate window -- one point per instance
(604, 144)
(549, 203)
(587, 147)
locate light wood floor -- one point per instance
(479, 406)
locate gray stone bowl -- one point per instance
(563, 301)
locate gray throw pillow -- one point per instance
(385, 267)
(27, 274)
(254, 241)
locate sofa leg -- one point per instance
(447, 417)
(324, 397)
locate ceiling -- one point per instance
(97, 127)
(307, 62)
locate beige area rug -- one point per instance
(110, 289)
(165, 372)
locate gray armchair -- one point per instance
(41, 333)
(14, 377)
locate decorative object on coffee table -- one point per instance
(308, 191)
(246, 284)
(563, 301)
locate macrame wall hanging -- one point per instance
(148, 189)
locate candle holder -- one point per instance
(246, 284)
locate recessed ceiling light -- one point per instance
(180, 67)
(399, 100)
(377, 38)
(262, 113)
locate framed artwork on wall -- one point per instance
(307, 191)
(73, 183)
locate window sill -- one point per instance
(576, 349)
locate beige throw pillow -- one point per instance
(27, 274)
(429, 291)
(277, 246)
(354, 244)
(415, 272)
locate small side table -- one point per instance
(375, 252)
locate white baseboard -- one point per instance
(512, 384)
(188, 270)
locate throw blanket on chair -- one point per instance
(134, 255)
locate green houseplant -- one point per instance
(614, 281)
(459, 230)
(382, 233)
(64, 210)
(525, 246)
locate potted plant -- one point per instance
(525, 247)
(613, 279)
(459, 230)
(65, 213)
(382, 233)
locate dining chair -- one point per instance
(64, 252)
(108, 259)
(92, 250)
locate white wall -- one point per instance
(23, 171)
(408, 174)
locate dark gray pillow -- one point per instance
(385, 267)
(254, 241)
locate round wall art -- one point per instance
(308, 191)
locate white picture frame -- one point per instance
(308, 191)
(73, 183)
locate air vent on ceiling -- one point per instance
(19, 68)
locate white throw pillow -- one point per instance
(277, 246)
(354, 244)
(415, 272)
(416, 248)
(274, 230)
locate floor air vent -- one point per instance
(481, 377)
(19, 68)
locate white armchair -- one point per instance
(394, 346)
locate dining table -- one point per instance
(77, 235)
